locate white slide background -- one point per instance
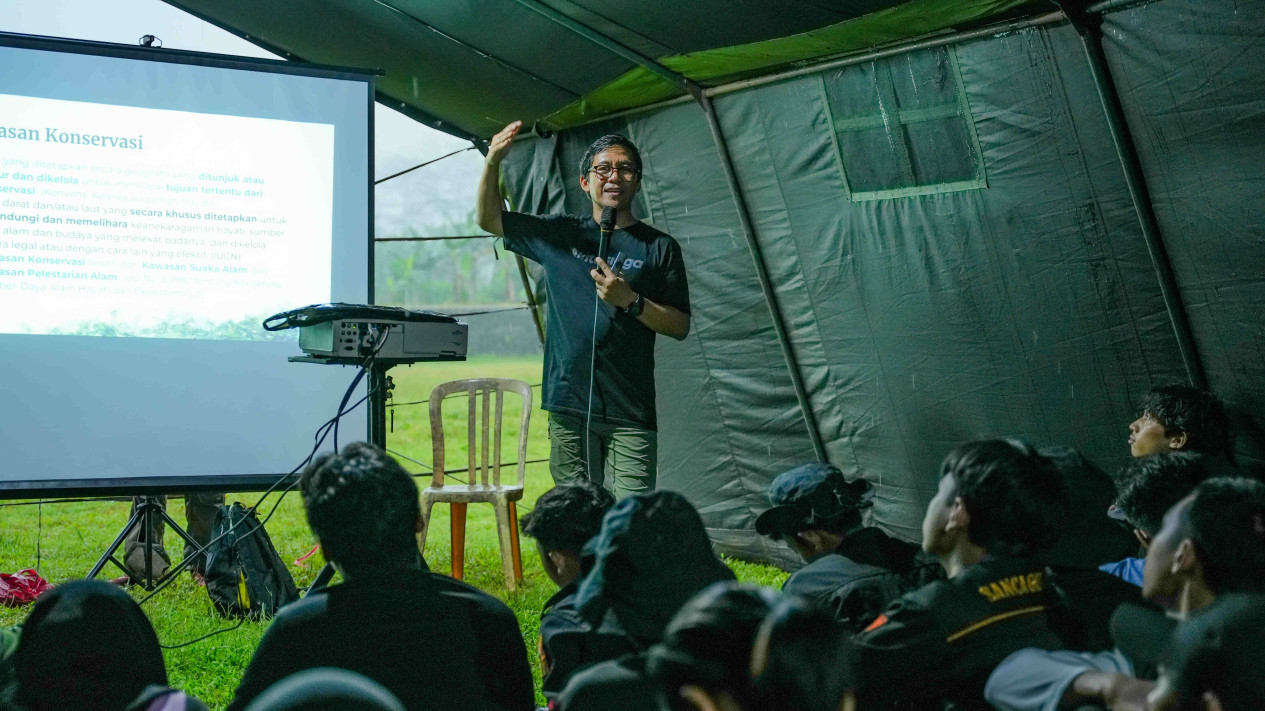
(160, 373)
(214, 219)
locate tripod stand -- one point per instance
(148, 512)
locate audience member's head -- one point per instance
(703, 661)
(997, 497)
(86, 646)
(1178, 417)
(1216, 660)
(326, 689)
(651, 555)
(1151, 485)
(799, 661)
(564, 519)
(1211, 543)
(363, 508)
(814, 508)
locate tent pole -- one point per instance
(744, 215)
(531, 298)
(762, 275)
(609, 44)
(1089, 27)
(1101, 8)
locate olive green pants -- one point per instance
(624, 459)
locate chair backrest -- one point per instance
(486, 471)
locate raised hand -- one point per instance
(500, 143)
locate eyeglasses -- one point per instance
(603, 171)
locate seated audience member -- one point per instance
(87, 646)
(326, 689)
(9, 637)
(999, 506)
(1148, 488)
(651, 555)
(800, 661)
(851, 570)
(564, 519)
(1211, 543)
(701, 664)
(1216, 660)
(704, 660)
(434, 642)
(1177, 417)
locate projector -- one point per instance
(399, 340)
(358, 331)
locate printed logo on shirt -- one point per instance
(1014, 586)
(626, 265)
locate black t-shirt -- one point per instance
(565, 245)
(434, 642)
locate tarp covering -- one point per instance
(469, 67)
(1029, 307)
(947, 232)
(1193, 74)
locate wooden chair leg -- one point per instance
(506, 535)
(458, 540)
(514, 549)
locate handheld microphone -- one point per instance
(607, 226)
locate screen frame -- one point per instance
(42, 488)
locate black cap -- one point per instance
(811, 496)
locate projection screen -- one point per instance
(155, 207)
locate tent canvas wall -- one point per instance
(942, 243)
(1024, 303)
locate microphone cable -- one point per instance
(588, 418)
(606, 226)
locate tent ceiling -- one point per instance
(468, 67)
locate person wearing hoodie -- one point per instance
(702, 663)
(651, 556)
(88, 646)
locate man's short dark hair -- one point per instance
(1149, 486)
(1226, 522)
(1015, 497)
(362, 506)
(610, 140)
(1198, 413)
(567, 516)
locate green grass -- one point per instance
(68, 538)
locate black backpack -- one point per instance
(245, 576)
